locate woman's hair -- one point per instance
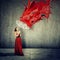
(15, 29)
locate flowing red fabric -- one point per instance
(35, 11)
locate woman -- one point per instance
(18, 42)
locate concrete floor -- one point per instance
(31, 54)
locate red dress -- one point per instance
(18, 46)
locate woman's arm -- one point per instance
(17, 32)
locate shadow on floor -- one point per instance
(7, 54)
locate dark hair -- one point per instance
(15, 29)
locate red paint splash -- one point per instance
(35, 11)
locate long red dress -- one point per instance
(18, 46)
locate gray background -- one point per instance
(42, 34)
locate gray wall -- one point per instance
(43, 33)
